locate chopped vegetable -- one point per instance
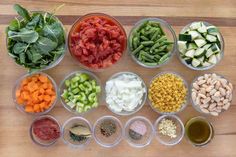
(137, 130)
(79, 133)
(35, 40)
(81, 92)
(167, 93)
(149, 44)
(97, 41)
(36, 93)
(200, 45)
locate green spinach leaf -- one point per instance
(45, 45)
(22, 12)
(25, 35)
(20, 48)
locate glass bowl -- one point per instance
(164, 139)
(17, 85)
(125, 113)
(59, 59)
(85, 17)
(186, 99)
(197, 107)
(71, 75)
(107, 140)
(199, 118)
(208, 67)
(147, 136)
(170, 33)
(74, 121)
(39, 141)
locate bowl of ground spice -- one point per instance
(77, 132)
(45, 130)
(107, 131)
(138, 131)
(169, 130)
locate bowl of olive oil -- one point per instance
(199, 131)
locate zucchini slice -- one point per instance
(200, 42)
(200, 52)
(185, 37)
(190, 53)
(211, 38)
(195, 62)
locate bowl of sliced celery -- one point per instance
(80, 92)
(200, 45)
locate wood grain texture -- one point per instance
(14, 138)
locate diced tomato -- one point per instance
(97, 41)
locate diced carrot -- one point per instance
(40, 97)
(42, 105)
(50, 92)
(41, 90)
(24, 82)
(47, 98)
(26, 95)
(50, 86)
(29, 109)
(20, 101)
(43, 79)
(36, 107)
(18, 91)
(45, 86)
(53, 98)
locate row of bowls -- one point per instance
(166, 27)
(100, 96)
(152, 130)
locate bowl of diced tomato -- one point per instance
(35, 94)
(97, 41)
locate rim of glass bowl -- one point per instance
(169, 28)
(52, 64)
(172, 117)
(79, 119)
(17, 84)
(31, 130)
(144, 98)
(186, 99)
(191, 87)
(81, 19)
(222, 43)
(211, 128)
(117, 141)
(60, 90)
(150, 136)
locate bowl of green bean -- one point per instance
(152, 42)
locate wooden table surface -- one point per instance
(14, 126)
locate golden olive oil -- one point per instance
(198, 131)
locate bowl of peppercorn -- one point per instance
(77, 132)
(107, 131)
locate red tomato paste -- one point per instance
(46, 129)
(97, 41)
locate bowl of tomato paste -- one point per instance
(45, 130)
(97, 41)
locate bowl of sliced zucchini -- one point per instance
(200, 45)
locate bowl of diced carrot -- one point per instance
(35, 93)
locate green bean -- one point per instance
(135, 42)
(150, 64)
(138, 49)
(163, 58)
(147, 43)
(144, 24)
(144, 38)
(146, 54)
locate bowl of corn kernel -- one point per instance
(168, 93)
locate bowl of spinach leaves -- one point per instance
(35, 40)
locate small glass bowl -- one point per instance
(99, 15)
(71, 75)
(166, 140)
(212, 132)
(56, 62)
(70, 123)
(126, 113)
(112, 140)
(170, 33)
(37, 140)
(186, 99)
(145, 139)
(17, 85)
(197, 107)
(202, 68)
